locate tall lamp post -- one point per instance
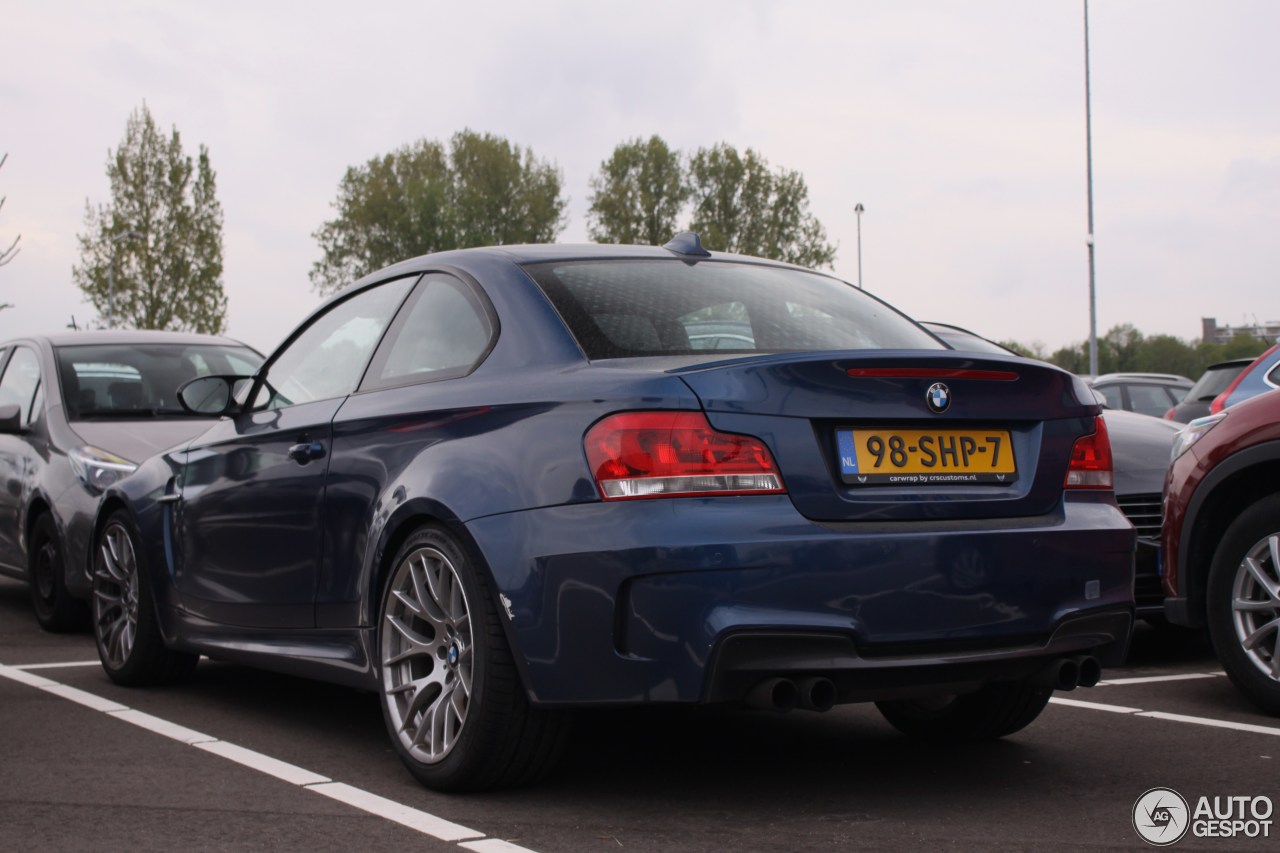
(857, 210)
(1088, 148)
(111, 276)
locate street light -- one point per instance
(111, 276)
(1088, 154)
(857, 209)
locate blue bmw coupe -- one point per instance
(495, 484)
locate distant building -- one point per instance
(1211, 331)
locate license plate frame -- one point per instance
(911, 456)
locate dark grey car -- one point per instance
(1215, 379)
(77, 412)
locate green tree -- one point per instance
(502, 194)
(741, 205)
(423, 198)
(1167, 354)
(161, 235)
(1074, 358)
(1125, 349)
(1118, 349)
(1243, 345)
(637, 195)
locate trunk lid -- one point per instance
(900, 435)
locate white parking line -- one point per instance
(416, 819)
(1175, 718)
(62, 665)
(1156, 679)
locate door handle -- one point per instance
(306, 452)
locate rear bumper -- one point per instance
(742, 660)
(687, 600)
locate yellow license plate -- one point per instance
(926, 456)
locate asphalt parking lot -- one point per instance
(238, 759)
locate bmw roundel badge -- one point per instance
(939, 397)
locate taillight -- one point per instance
(1091, 460)
(1220, 401)
(676, 454)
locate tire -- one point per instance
(996, 710)
(1243, 603)
(125, 628)
(452, 700)
(56, 609)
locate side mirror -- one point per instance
(10, 418)
(211, 396)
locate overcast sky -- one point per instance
(960, 126)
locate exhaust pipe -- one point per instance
(774, 694)
(1061, 674)
(817, 694)
(1090, 670)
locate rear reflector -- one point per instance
(1091, 466)
(676, 454)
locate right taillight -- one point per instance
(1091, 466)
(676, 454)
(1220, 401)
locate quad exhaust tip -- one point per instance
(783, 694)
(1070, 673)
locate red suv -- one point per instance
(1221, 540)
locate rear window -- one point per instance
(628, 308)
(1214, 381)
(140, 380)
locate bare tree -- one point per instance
(12, 250)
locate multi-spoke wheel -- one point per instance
(452, 699)
(55, 608)
(124, 619)
(427, 655)
(1243, 603)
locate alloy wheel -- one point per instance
(115, 595)
(1255, 605)
(427, 655)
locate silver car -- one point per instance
(78, 410)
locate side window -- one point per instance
(443, 334)
(1150, 399)
(329, 357)
(1115, 400)
(20, 384)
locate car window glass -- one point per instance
(1113, 395)
(444, 333)
(20, 383)
(135, 380)
(1151, 399)
(1214, 381)
(329, 357)
(621, 309)
(722, 326)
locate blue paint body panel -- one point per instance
(260, 557)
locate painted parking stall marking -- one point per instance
(370, 803)
(1252, 728)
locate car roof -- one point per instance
(128, 336)
(532, 253)
(1149, 377)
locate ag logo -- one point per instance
(1161, 817)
